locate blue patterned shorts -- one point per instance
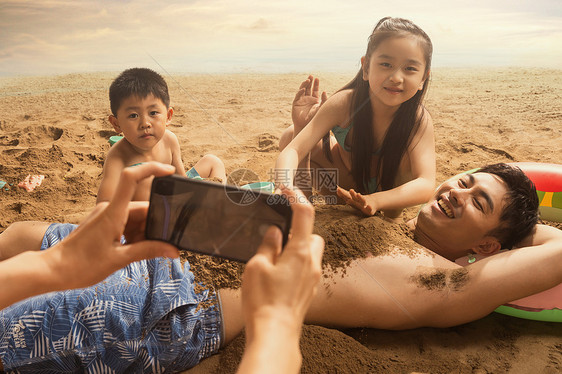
(146, 317)
(55, 233)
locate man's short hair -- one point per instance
(139, 82)
(521, 211)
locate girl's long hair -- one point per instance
(406, 121)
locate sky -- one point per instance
(44, 37)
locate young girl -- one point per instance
(378, 137)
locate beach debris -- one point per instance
(31, 182)
(114, 139)
(268, 143)
(4, 185)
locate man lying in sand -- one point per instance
(471, 214)
(495, 208)
(140, 106)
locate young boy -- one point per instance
(140, 107)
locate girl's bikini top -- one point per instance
(341, 135)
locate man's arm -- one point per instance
(511, 275)
(542, 234)
(21, 237)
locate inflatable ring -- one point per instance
(546, 305)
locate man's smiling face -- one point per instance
(462, 213)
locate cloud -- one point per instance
(261, 25)
(220, 35)
(87, 35)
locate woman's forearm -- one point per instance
(271, 347)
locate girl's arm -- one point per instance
(333, 112)
(418, 190)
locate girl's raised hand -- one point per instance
(306, 102)
(365, 204)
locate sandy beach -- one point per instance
(57, 126)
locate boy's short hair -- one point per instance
(521, 212)
(139, 82)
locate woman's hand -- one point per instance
(284, 282)
(277, 289)
(93, 251)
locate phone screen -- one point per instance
(212, 218)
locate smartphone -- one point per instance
(213, 219)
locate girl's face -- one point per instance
(395, 70)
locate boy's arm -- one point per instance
(174, 146)
(112, 168)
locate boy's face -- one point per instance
(142, 121)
